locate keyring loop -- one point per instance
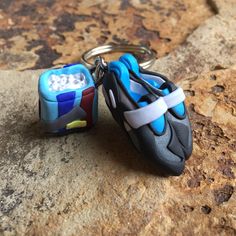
(137, 49)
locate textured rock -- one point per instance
(211, 46)
(57, 32)
(95, 183)
(223, 7)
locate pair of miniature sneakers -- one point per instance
(148, 107)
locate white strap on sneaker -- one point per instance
(147, 114)
(174, 98)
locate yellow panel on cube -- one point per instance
(76, 124)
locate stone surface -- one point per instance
(95, 183)
(41, 34)
(211, 46)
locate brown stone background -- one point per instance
(95, 183)
(43, 33)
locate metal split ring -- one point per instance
(146, 53)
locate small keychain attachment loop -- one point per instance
(146, 53)
(100, 68)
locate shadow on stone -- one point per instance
(106, 136)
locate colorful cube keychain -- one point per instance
(68, 99)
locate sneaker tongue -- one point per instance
(167, 87)
(149, 98)
(157, 125)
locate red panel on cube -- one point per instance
(87, 104)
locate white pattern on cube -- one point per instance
(62, 82)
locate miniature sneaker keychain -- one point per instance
(150, 109)
(174, 98)
(67, 99)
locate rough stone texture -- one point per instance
(211, 46)
(95, 183)
(41, 34)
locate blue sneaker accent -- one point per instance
(123, 74)
(130, 61)
(178, 109)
